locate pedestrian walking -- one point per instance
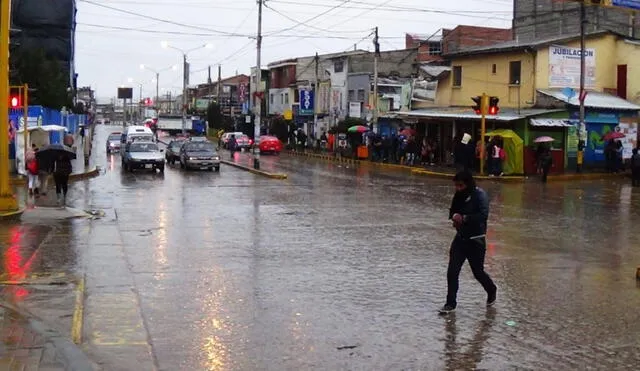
(469, 213)
(32, 170)
(61, 170)
(233, 145)
(546, 161)
(635, 168)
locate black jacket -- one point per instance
(474, 208)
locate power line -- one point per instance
(308, 25)
(310, 19)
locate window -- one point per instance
(286, 98)
(514, 73)
(435, 48)
(457, 76)
(285, 72)
(338, 66)
(361, 95)
(281, 98)
(494, 69)
(352, 96)
(270, 98)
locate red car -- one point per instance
(269, 144)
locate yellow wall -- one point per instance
(629, 53)
(478, 78)
(606, 66)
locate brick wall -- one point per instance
(463, 37)
(541, 19)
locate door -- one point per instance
(622, 81)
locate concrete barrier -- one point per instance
(257, 172)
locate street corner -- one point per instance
(47, 214)
(33, 345)
(12, 215)
(279, 176)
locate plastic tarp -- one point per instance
(514, 147)
(57, 47)
(44, 13)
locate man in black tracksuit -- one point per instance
(469, 213)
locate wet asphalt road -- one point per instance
(342, 268)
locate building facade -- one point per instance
(542, 19)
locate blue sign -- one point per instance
(631, 4)
(306, 103)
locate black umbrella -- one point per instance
(52, 152)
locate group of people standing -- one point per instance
(467, 154)
(39, 169)
(404, 149)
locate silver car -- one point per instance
(199, 155)
(113, 143)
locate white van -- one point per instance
(134, 132)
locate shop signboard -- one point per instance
(564, 67)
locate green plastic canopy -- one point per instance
(514, 147)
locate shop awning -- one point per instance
(556, 123)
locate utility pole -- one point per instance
(140, 102)
(315, 99)
(582, 96)
(157, 101)
(185, 82)
(8, 202)
(219, 88)
(258, 98)
(375, 78)
(484, 104)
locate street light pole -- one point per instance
(157, 89)
(184, 93)
(258, 98)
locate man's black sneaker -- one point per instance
(491, 299)
(447, 309)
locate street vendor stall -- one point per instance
(513, 146)
(38, 135)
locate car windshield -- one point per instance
(200, 147)
(114, 137)
(143, 147)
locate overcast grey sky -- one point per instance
(115, 36)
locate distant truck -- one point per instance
(173, 124)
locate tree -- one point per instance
(214, 116)
(45, 77)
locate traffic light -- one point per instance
(493, 105)
(148, 102)
(15, 98)
(478, 105)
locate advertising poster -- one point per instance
(630, 140)
(564, 67)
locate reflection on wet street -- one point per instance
(336, 268)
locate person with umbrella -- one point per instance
(59, 157)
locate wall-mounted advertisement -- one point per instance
(424, 91)
(564, 67)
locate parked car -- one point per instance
(270, 144)
(113, 142)
(142, 155)
(226, 136)
(199, 155)
(243, 141)
(172, 153)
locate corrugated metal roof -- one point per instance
(551, 122)
(518, 45)
(435, 71)
(468, 114)
(594, 100)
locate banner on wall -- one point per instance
(630, 141)
(564, 67)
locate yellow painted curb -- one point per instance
(257, 172)
(501, 179)
(78, 314)
(12, 214)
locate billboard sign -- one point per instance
(564, 67)
(125, 93)
(631, 4)
(306, 102)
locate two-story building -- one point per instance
(232, 93)
(537, 83)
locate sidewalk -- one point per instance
(80, 170)
(448, 172)
(28, 345)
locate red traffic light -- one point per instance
(478, 104)
(493, 105)
(14, 101)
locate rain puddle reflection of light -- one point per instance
(16, 266)
(161, 241)
(215, 350)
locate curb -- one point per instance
(434, 174)
(71, 355)
(254, 171)
(12, 215)
(21, 180)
